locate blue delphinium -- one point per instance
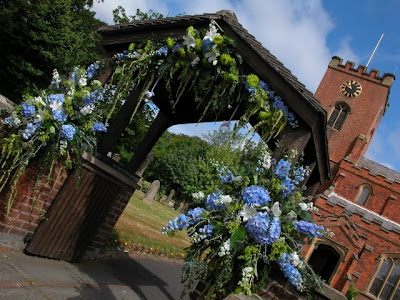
(9, 120)
(67, 132)
(30, 130)
(255, 195)
(252, 90)
(59, 116)
(211, 201)
(299, 175)
(262, 229)
(55, 97)
(96, 95)
(290, 271)
(206, 231)
(91, 70)
(28, 110)
(163, 51)
(99, 127)
(309, 228)
(287, 186)
(180, 222)
(264, 85)
(278, 103)
(195, 215)
(176, 47)
(282, 168)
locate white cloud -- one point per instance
(346, 52)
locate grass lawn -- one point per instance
(141, 223)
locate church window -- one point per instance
(364, 191)
(385, 285)
(338, 116)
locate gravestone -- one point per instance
(163, 199)
(143, 166)
(152, 192)
(170, 195)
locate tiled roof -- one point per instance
(378, 169)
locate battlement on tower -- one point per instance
(361, 71)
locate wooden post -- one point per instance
(119, 123)
(157, 128)
(293, 138)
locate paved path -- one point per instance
(116, 277)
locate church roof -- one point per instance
(116, 38)
(378, 169)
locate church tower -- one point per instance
(355, 100)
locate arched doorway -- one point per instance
(324, 260)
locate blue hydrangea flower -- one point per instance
(67, 132)
(282, 168)
(30, 130)
(59, 116)
(228, 176)
(309, 228)
(195, 215)
(206, 231)
(212, 198)
(255, 195)
(290, 271)
(99, 127)
(262, 229)
(28, 110)
(206, 45)
(163, 51)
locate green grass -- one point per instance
(141, 223)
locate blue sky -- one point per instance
(304, 35)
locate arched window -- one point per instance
(385, 285)
(338, 116)
(364, 191)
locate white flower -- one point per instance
(87, 110)
(225, 199)
(198, 196)
(82, 81)
(39, 100)
(148, 95)
(225, 248)
(275, 209)
(295, 260)
(247, 212)
(212, 32)
(55, 105)
(195, 61)
(307, 206)
(247, 271)
(266, 162)
(189, 41)
(17, 121)
(212, 55)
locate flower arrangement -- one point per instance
(253, 225)
(205, 63)
(57, 125)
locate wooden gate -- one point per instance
(75, 215)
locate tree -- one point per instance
(39, 36)
(120, 16)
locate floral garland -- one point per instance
(255, 222)
(64, 119)
(205, 63)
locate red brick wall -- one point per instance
(30, 204)
(365, 109)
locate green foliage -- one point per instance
(352, 292)
(120, 16)
(38, 36)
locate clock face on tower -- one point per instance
(351, 88)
